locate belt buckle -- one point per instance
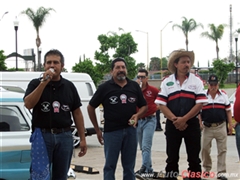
(214, 124)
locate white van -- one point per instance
(82, 81)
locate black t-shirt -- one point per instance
(58, 100)
(119, 103)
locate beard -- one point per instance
(121, 76)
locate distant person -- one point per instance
(158, 117)
(147, 123)
(214, 116)
(120, 98)
(236, 113)
(53, 100)
(180, 100)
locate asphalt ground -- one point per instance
(95, 156)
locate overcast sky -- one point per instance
(76, 24)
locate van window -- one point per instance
(89, 88)
(11, 119)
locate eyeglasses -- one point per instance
(142, 77)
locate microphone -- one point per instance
(47, 77)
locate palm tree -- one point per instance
(216, 33)
(186, 27)
(38, 18)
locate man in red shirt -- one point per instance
(236, 114)
(147, 123)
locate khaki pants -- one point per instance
(220, 134)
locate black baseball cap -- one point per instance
(213, 79)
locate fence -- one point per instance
(231, 77)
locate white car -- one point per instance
(15, 130)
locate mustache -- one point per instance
(121, 73)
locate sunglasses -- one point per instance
(142, 77)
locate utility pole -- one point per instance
(230, 36)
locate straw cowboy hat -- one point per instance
(177, 54)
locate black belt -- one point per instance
(56, 130)
(212, 124)
(148, 117)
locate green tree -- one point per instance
(3, 66)
(87, 67)
(141, 66)
(222, 69)
(122, 45)
(186, 27)
(38, 18)
(155, 63)
(215, 34)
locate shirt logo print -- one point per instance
(131, 99)
(56, 106)
(123, 97)
(65, 108)
(113, 100)
(45, 106)
(149, 94)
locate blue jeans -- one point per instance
(145, 131)
(122, 141)
(60, 149)
(237, 129)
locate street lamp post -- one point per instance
(236, 39)
(161, 48)
(16, 23)
(147, 48)
(40, 57)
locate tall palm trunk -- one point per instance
(217, 50)
(186, 44)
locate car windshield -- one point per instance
(11, 119)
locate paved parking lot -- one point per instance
(95, 157)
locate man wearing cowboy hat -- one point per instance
(180, 100)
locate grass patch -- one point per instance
(226, 86)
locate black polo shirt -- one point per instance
(58, 99)
(119, 103)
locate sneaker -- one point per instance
(139, 176)
(158, 129)
(222, 177)
(142, 177)
(139, 172)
